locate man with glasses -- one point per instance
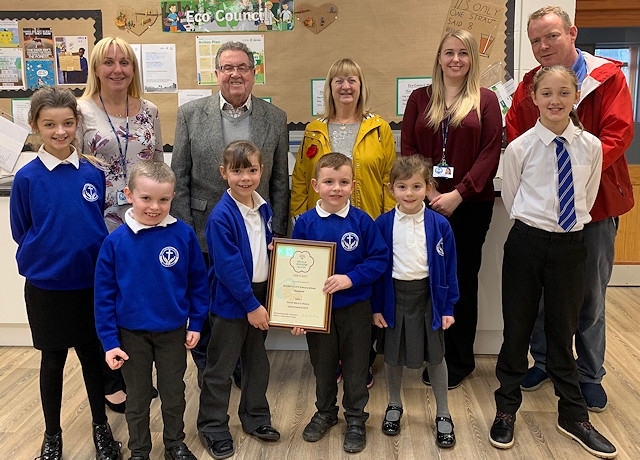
(204, 128)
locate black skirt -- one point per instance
(60, 319)
(412, 340)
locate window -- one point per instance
(629, 57)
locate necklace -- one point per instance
(346, 122)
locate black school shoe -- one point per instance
(355, 439)
(445, 440)
(501, 434)
(318, 427)
(588, 437)
(107, 448)
(217, 449)
(266, 433)
(180, 452)
(391, 427)
(51, 447)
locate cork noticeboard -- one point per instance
(389, 40)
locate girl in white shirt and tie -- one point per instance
(551, 177)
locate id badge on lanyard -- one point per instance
(442, 169)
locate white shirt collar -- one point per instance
(223, 101)
(547, 136)
(50, 162)
(136, 226)
(244, 209)
(342, 213)
(418, 216)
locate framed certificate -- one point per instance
(298, 271)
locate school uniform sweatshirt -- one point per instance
(153, 280)
(361, 252)
(57, 221)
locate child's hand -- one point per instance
(298, 331)
(447, 322)
(192, 339)
(378, 320)
(270, 246)
(336, 283)
(115, 358)
(259, 318)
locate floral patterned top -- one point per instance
(98, 138)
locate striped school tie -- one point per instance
(567, 215)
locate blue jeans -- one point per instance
(590, 339)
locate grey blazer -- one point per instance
(197, 156)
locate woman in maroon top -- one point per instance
(457, 125)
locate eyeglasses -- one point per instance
(229, 69)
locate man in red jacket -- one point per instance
(605, 110)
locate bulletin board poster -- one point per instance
(9, 37)
(11, 69)
(71, 57)
(207, 46)
(39, 73)
(38, 42)
(227, 16)
(485, 20)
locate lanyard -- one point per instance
(123, 155)
(444, 129)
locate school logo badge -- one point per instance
(89, 192)
(349, 241)
(440, 247)
(270, 225)
(169, 256)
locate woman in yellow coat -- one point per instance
(347, 127)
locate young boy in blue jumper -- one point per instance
(361, 259)
(238, 233)
(150, 303)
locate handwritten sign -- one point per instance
(482, 19)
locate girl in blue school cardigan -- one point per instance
(56, 206)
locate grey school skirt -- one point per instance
(412, 340)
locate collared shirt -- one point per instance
(257, 236)
(409, 246)
(228, 108)
(580, 68)
(136, 226)
(50, 161)
(530, 177)
(342, 213)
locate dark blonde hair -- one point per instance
(237, 154)
(155, 170)
(56, 97)
(333, 160)
(550, 9)
(345, 67)
(570, 75)
(468, 98)
(99, 52)
(405, 167)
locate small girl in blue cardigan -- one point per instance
(414, 301)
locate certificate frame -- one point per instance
(297, 274)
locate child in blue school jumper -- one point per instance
(413, 303)
(239, 234)
(550, 182)
(361, 258)
(150, 303)
(56, 207)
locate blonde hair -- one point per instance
(332, 160)
(57, 97)
(99, 53)
(345, 67)
(469, 97)
(156, 170)
(550, 9)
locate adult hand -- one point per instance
(447, 322)
(259, 318)
(336, 283)
(446, 203)
(115, 358)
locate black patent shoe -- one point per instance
(445, 440)
(390, 427)
(106, 447)
(51, 447)
(266, 433)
